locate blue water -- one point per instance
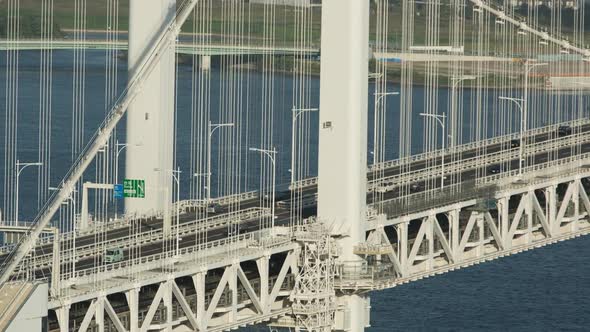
(542, 290)
(546, 289)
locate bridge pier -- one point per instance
(353, 313)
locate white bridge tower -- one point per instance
(342, 174)
(150, 119)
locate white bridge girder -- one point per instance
(220, 302)
(150, 118)
(462, 234)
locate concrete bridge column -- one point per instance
(150, 119)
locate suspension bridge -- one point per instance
(271, 197)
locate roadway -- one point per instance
(283, 210)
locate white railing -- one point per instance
(196, 226)
(390, 182)
(559, 162)
(459, 149)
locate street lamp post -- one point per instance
(519, 103)
(120, 148)
(379, 96)
(175, 175)
(20, 167)
(296, 112)
(271, 155)
(454, 84)
(211, 129)
(197, 175)
(441, 119)
(522, 105)
(528, 67)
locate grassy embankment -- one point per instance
(254, 29)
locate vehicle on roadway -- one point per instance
(213, 208)
(495, 169)
(515, 143)
(564, 131)
(113, 255)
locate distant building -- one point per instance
(304, 3)
(546, 3)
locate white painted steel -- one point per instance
(150, 118)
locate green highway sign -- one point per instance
(134, 188)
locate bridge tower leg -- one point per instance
(342, 185)
(150, 119)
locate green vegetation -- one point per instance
(247, 21)
(30, 27)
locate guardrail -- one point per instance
(459, 149)
(126, 219)
(559, 162)
(155, 235)
(473, 145)
(210, 252)
(388, 183)
(482, 188)
(159, 257)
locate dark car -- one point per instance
(564, 131)
(515, 143)
(494, 169)
(213, 208)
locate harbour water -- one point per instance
(542, 290)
